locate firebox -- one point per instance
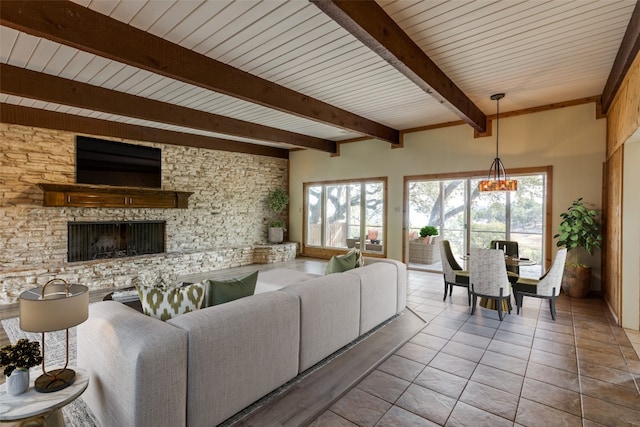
(100, 240)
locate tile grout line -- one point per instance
(524, 377)
(575, 343)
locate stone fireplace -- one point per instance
(221, 227)
(101, 240)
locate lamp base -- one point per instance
(55, 380)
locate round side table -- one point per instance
(33, 408)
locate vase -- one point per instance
(576, 281)
(18, 382)
(276, 234)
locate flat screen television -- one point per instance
(116, 163)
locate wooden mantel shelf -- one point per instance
(103, 196)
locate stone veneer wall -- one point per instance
(227, 213)
(268, 254)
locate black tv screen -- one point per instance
(116, 163)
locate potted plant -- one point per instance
(421, 251)
(427, 232)
(15, 361)
(578, 229)
(277, 201)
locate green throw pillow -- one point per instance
(165, 304)
(221, 291)
(341, 263)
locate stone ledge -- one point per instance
(118, 273)
(277, 252)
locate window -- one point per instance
(345, 214)
(470, 219)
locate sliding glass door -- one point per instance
(345, 214)
(469, 218)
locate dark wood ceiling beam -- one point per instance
(26, 116)
(370, 24)
(68, 23)
(44, 87)
(628, 51)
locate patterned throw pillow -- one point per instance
(359, 257)
(165, 304)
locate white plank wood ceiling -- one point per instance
(538, 52)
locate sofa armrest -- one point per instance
(137, 365)
(378, 293)
(329, 315)
(238, 352)
(401, 269)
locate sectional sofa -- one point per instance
(203, 367)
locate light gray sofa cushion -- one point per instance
(378, 293)
(329, 315)
(401, 270)
(238, 352)
(137, 366)
(278, 278)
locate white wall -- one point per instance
(570, 139)
(631, 234)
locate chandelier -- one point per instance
(497, 179)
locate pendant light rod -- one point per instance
(497, 179)
(497, 97)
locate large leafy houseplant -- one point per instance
(579, 228)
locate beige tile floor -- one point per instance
(527, 370)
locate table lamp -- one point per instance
(55, 306)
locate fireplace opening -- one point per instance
(100, 240)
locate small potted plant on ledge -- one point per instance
(427, 233)
(15, 360)
(578, 229)
(277, 201)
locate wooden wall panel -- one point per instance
(623, 120)
(624, 116)
(612, 233)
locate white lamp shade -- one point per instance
(57, 310)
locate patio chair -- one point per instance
(488, 278)
(547, 287)
(454, 275)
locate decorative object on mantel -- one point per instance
(497, 179)
(15, 361)
(277, 201)
(104, 196)
(55, 306)
(578, 229)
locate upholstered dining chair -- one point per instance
(488, 278)
(454, 275)
(547, 287)
(510, 248)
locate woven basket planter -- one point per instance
(422, 253)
